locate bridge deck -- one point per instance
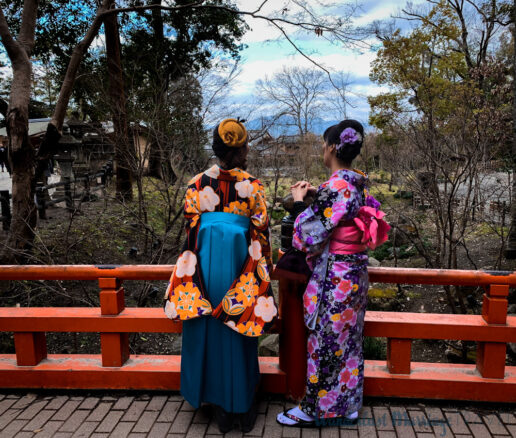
(155, 415)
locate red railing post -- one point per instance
(399, 353)
(491, 355)
(293, 336)
(31, 348)
(114, 346)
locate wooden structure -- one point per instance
(115, 368)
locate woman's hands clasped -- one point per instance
(300, 189)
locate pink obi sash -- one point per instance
(366, 231)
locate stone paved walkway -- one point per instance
(156, 415)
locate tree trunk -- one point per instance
(20, 151)
(124, 150)
(510, 252)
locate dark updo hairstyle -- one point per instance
(230, 157)
(347, 153)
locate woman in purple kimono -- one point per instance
(335, 232)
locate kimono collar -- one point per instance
(356, 177)
(236, 174)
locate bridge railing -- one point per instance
(115, 368)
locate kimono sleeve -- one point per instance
(313, 227)
(260, 220)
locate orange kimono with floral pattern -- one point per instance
(248, 306)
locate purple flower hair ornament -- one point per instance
(349, 135)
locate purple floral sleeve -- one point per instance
(336, 200)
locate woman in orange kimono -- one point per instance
(220, 287)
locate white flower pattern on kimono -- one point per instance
(170, 310)
(213, 172)
(186, 264)
(255, 250)
(245, 188)
(208, 199)
(265, 308)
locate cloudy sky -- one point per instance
(266, 54)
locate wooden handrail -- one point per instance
(490, 379)
(163, 272)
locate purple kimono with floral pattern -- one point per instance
(335, 300)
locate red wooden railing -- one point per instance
(114, 368)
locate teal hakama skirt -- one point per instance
(218, 365)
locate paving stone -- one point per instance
(99, 435)
(122, 430)
(169, 412)
(135, 411)
(187, 407)
(457, 424)
(233, 434)
(159, 430)
(57, 402)
(420, 423)
(310, 433)
(110, 421)
(25, 401)
(366, 429)
(382, 419)
(494, 425)
(145, 422)
(291, 432)
(272, 413)
(49, 429)
(145, 397)
(272, 430)
(39, 420)
(479, 431)
(258, 426)
(137, 435)
(14, 396)
(62, 435)
(329, 432)
(77, 398)
(181, 422)
(262, 407)
(442, 429)
(175, 397)
(109, 398)
(347, 433)
(156, 403)
(66, 410)
(434, 414)
(31, 411)
(402, 423)
(100, 411)
(507, 418)
(74, 422)
(386, 434)
(175, 435)
(425, 435)
(471, 417)
(512, 430)
(365, 412)
(6, 404)
(89, 403)
(24, 435)
(123, 403)
(13, 428)
(197, 430)
(85, 429)
(8, 416)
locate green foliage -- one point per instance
(375, 348)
